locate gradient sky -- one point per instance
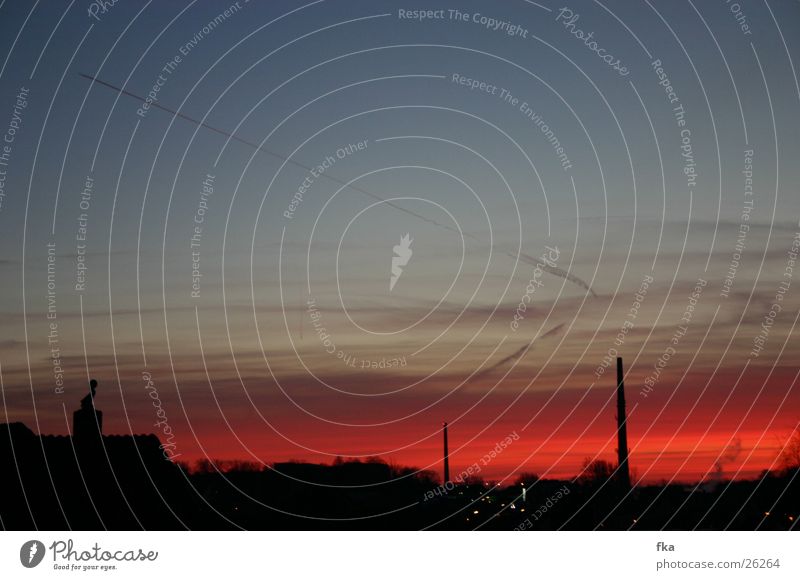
(240, 370)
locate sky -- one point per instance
(576, 181)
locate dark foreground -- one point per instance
(125, 483)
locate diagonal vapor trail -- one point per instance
(258, 147)
(555, 271)
(519, 352)
(521, 256)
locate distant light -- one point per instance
(791, 519)
(522, 509)
(634, 520)
(766, 513)
(475, 512)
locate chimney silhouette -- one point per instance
(87, 422)
(446, 455)
(623, 472)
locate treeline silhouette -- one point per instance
(92, 481)
(124, 482)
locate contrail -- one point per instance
(554, 270)
(524, 257)
(519, 352)
(257, 147)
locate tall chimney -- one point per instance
(623, 472)
(446, 455)
(87, 422)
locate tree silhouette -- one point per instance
(595, 471)
(790, 454)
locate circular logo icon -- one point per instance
(31, 553)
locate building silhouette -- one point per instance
(86, 480)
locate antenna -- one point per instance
(446, 455)
(623, 472)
